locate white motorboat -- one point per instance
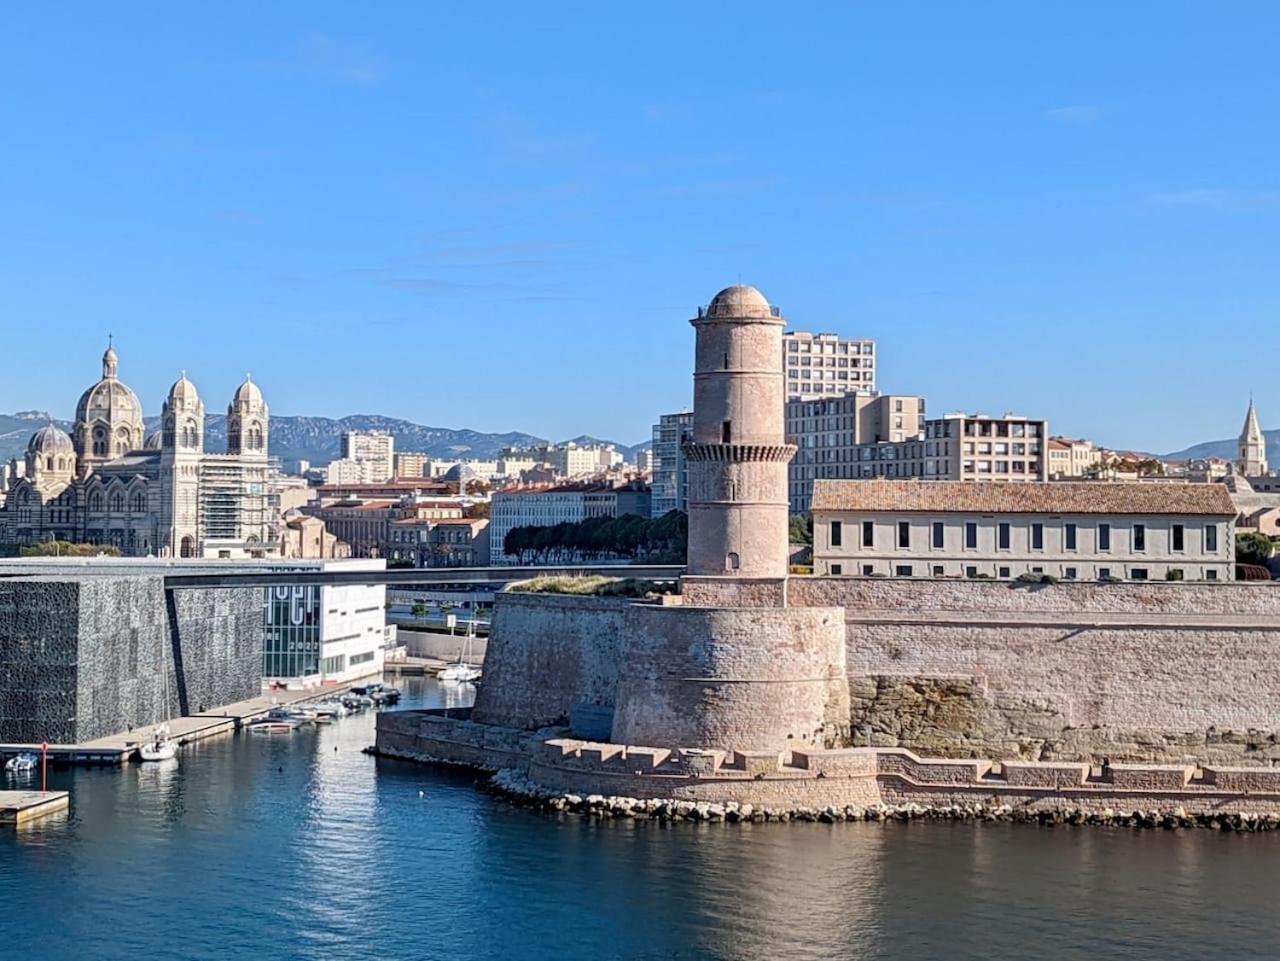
(22, 763)
(160, 747)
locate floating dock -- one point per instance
(19, 807)
(119, 748)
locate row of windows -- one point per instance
(1006, 573)
(1004, 536)
(797, 346)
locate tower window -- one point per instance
(726, 432)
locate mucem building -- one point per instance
(84, 653)
(85, 643)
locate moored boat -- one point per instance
(22, 763)
(160, 747)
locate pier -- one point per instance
(19, 807)
(120, 748)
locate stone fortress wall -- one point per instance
(816, 778)
(754, 685)
(1157, 671)
(1079, 672)
(668, 675)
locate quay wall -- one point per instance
(808, 779)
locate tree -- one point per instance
(801, 529)
(1253, 547)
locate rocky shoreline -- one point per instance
(519, 789)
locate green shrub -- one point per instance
(595, 585)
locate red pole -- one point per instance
(44, 768)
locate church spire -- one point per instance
(1253, 445)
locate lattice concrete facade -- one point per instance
(81, 656)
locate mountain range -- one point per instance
(1226, 449)
(319, 439)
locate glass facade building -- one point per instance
(291, 631)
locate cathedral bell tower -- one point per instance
(1252, 446)
(738, 456)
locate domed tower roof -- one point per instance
(110, 362)
(740, 301)
(110, 399)
(248, 395)
(50, 439)
(183, 394)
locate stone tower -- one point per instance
(181, 449)
(247, 421)
(1252, 446)
(737, 459)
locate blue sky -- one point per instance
(502, 216)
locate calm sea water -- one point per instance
(304, 848)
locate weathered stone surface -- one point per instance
(81, 656)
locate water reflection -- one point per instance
(252, 847)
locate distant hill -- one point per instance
(319, 439)
(1226, 449)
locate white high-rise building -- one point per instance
(377, 449)
(670, 473)
(826, 365)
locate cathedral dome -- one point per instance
(183, 394)
(740, 301)
(153, 441)
(248, 395)
(50, 439)
(109, 399)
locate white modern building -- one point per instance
(376, 449)
(321, 635)
(826, 365)
(1070, 530)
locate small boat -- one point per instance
(329, 710)
(22, 763)
(460, 672)
(462, 669)
(160, 747)
(277, 721)
(303, 715)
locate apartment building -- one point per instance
(412, 465)
(563, 503)
(670, 475)
(963, 447)
(826, 365)
(1071, 530)
(375, 449)
(1070, 458)
(828, 432)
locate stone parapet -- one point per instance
(818, 778)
